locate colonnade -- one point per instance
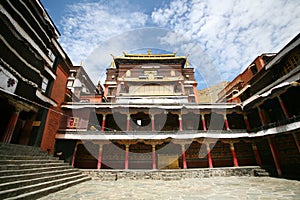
(153, 128)
(182, 143)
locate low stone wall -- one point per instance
(111, 175)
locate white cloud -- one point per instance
(233, 32)
(222, 37)
(86, 25)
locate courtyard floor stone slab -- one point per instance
(202, 188)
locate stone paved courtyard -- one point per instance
(202, 188)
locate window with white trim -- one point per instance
(45, 84)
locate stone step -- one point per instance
(19, 177)
(16, 153)
(28, 173)
(31, 188)
(17, 146)
(16, 183)
(261, 172)
(109, 177)
(27, 157)
(19, 162)
(30, 166)
(33, 170)
(45, 191)
(170, 176)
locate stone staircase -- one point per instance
(260, 172)
(29, 173)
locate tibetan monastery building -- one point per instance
(151, 118)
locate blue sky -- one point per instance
(221, 37)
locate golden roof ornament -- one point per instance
(149, 51)
(187, 63)
(112, 64)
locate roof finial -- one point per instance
(81, 63)
(187, 63)
(149, 51)
(112, 64)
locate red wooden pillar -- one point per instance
(180, 122)
(203, 122)
(74, 154)
(183, 156)
(256, 154)
(152, 123)
(235, 161)
(226, 123)
(261, 116)
(209, 158)
(153, 157)
(127, 156)
(103, 122)
(9, 131)
(296, 141)
(282, 105)
(128, 122)
(275, 157)
(99, 163)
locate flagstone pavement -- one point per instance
(203, 188)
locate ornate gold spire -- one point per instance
(187, 63)
(149, 51)
(112, 64)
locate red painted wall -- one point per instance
(53, 118)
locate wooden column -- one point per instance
(74, 154)
(296, 141)
(235, 160)
(209, 158)
(103, 122)
(152, 123)
(180, 122)
(282, 105)
(247, 122)
(203, 122)
(9, 131)
(153, 157)
(153, 143)
(128, 122)
(261, 116)
(99, 163)
(256, 154)
(275, 157)
(183, 156)
(226, 122)
(127, 156)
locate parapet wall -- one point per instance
(113, 175)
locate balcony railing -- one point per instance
(276, 124)
(174, 132)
